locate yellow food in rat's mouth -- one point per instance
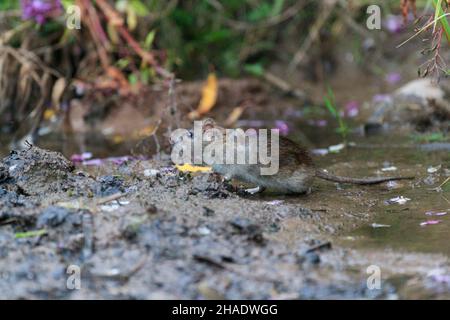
(190, 168)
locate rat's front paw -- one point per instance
(256, 190)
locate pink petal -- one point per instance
(282, 126)
(352, 109)
(436, 213)
(430, 222)
(393, 78)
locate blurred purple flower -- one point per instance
(282, 126)
(40, 10)
(250, 123)
(394, 24)
(351, 109)
(78, 158)
(321, 123)
(393, 78)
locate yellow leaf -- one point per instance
(144, 132)
(49, 114)
(131, 18)
(190, 168)
(209, 97)
(112, 33)
(234, 116)
(57, 92)
(118, 139)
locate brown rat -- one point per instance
(296, 171)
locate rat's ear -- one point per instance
(208, 124)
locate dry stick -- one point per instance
(10, 14)
(283, 85)
(6, 36)
(350, 22)
(118, 23)
(112, 197)
(93, 23)
(20, 55)
(126, 275)
(422, 29)
(326, 11)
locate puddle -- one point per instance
(398, 226)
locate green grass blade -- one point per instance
(30, 234)
(439, 14)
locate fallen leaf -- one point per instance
(116, 139)
(209, 97)
(234, 116)
(144, 132)
(49, 114)
(58, 90)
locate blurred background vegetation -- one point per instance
(231, 36)
(125, 45)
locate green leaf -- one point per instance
(140, 8)
(259, 13)
(255, 69)
(149, 39)
(277, 7)
(329, 105)
(216, 36)
(122, 63)
(9, 5)
(132, 79)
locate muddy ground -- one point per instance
(178, 235)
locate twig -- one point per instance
(117, 22)
(422, 30)
(113, 197)
(24, 57)
(283, 85)
(6, 36)
(325, 12)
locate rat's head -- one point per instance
(208, 124)
(204, 132)
(181, 135)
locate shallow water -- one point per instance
(402, 228)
